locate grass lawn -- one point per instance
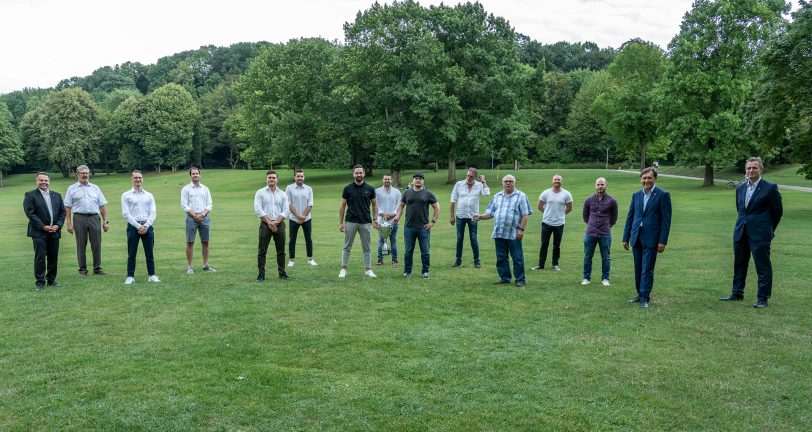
(452, 353)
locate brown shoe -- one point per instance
(100, 272)
(380, 262)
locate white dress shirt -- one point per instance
(46, 195)
(388, 201)
(271, 203)
(300, 197)
(195, 198)
(84, 199)
(138, 206)
(468, 200)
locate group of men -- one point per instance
(363, 208)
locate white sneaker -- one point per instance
(556, 268)
(190, 270)
(585, 282)
(290, 263)
(342, 274)
(311, 262)
(153, 278)
(370, 273)
(605, 282)
(129, 280)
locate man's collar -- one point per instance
(753, 184)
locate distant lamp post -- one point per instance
(607, 158)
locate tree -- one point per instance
(128, 132)
(627, 110)
(11, 152)
(711, 74)
(585, 138)
(782, 105)
(169, 118)
(70, 128)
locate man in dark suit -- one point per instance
(46, 214)
(648, 224)
(760, 209)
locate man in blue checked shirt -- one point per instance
(510, 209)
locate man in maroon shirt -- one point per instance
(600, 215)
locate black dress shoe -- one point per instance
(40, 287)
(261, 277)
(760, 304)
(99, 272)
(519, 284)
(54, 284)
(502, 282)
(284, 276)
(732, 297)
(457, 264)
(634, 300)
(644, 304)
(477, 265)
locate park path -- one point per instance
(720, 181)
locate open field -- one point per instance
(451, 353)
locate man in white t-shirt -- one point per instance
(554, 203)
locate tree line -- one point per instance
(413, 85)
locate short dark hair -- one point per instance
(269, 172)
(42, 173)
(358, 166)
(756, 159)
(647, 170)
(192, 168)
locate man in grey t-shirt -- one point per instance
(554, 203)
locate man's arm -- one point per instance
(453, 208)
(541, 206)
(585, 212)
(776, 207)
(341, 208)
(105, 222)
(374, 202)
(665, 221)
(69, 219)
(399, 212)
(568, 208)
(522, 226)
(436, 206)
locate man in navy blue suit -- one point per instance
(648, 224)
(760, 209)
(46, 214)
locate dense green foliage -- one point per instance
(218, 351)
(444, 86)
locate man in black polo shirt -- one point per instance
(418, 227)
(355, 201)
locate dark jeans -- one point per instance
(393, 243)
(605, 243)
(546, 231)
(294, 232)
(761, 258)
(148, 239)
(265, 236)
(514, 248)
(472, 227)
(45, 248)
(422, 235)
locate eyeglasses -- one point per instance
(508, 181)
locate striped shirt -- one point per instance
(300, 197)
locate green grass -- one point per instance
(781, 174)
(452, 353)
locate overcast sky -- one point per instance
(45, 41)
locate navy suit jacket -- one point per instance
(656, 219)
(37, 212)
(761, 216)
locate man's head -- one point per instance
(470, 177)
(83, 174)
(600, 185)
(753, 168)
(358, 173)
(509, 183)
(43, 180)
(194, 173)
(417, 181)
(298, 177)
(271, 179)
(387, 181)
(557, 181)
(137, 177)
(648, 177)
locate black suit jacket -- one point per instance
(762, 214)
(37, 212)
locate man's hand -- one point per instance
(519, 235)
(626, 245)
(428, 226)
(375, 223)
(660, 248)
(341, 227)
(453, 220)
(70, 228)
(105, 226)
(142, 230)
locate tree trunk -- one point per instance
(396, 177)
(708, 182)
(452, 170)
(642, 154)
(1, 178)
(107, 164)
(158, 169)
(516, 165)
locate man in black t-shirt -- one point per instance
(418, 227)
(355, 201)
